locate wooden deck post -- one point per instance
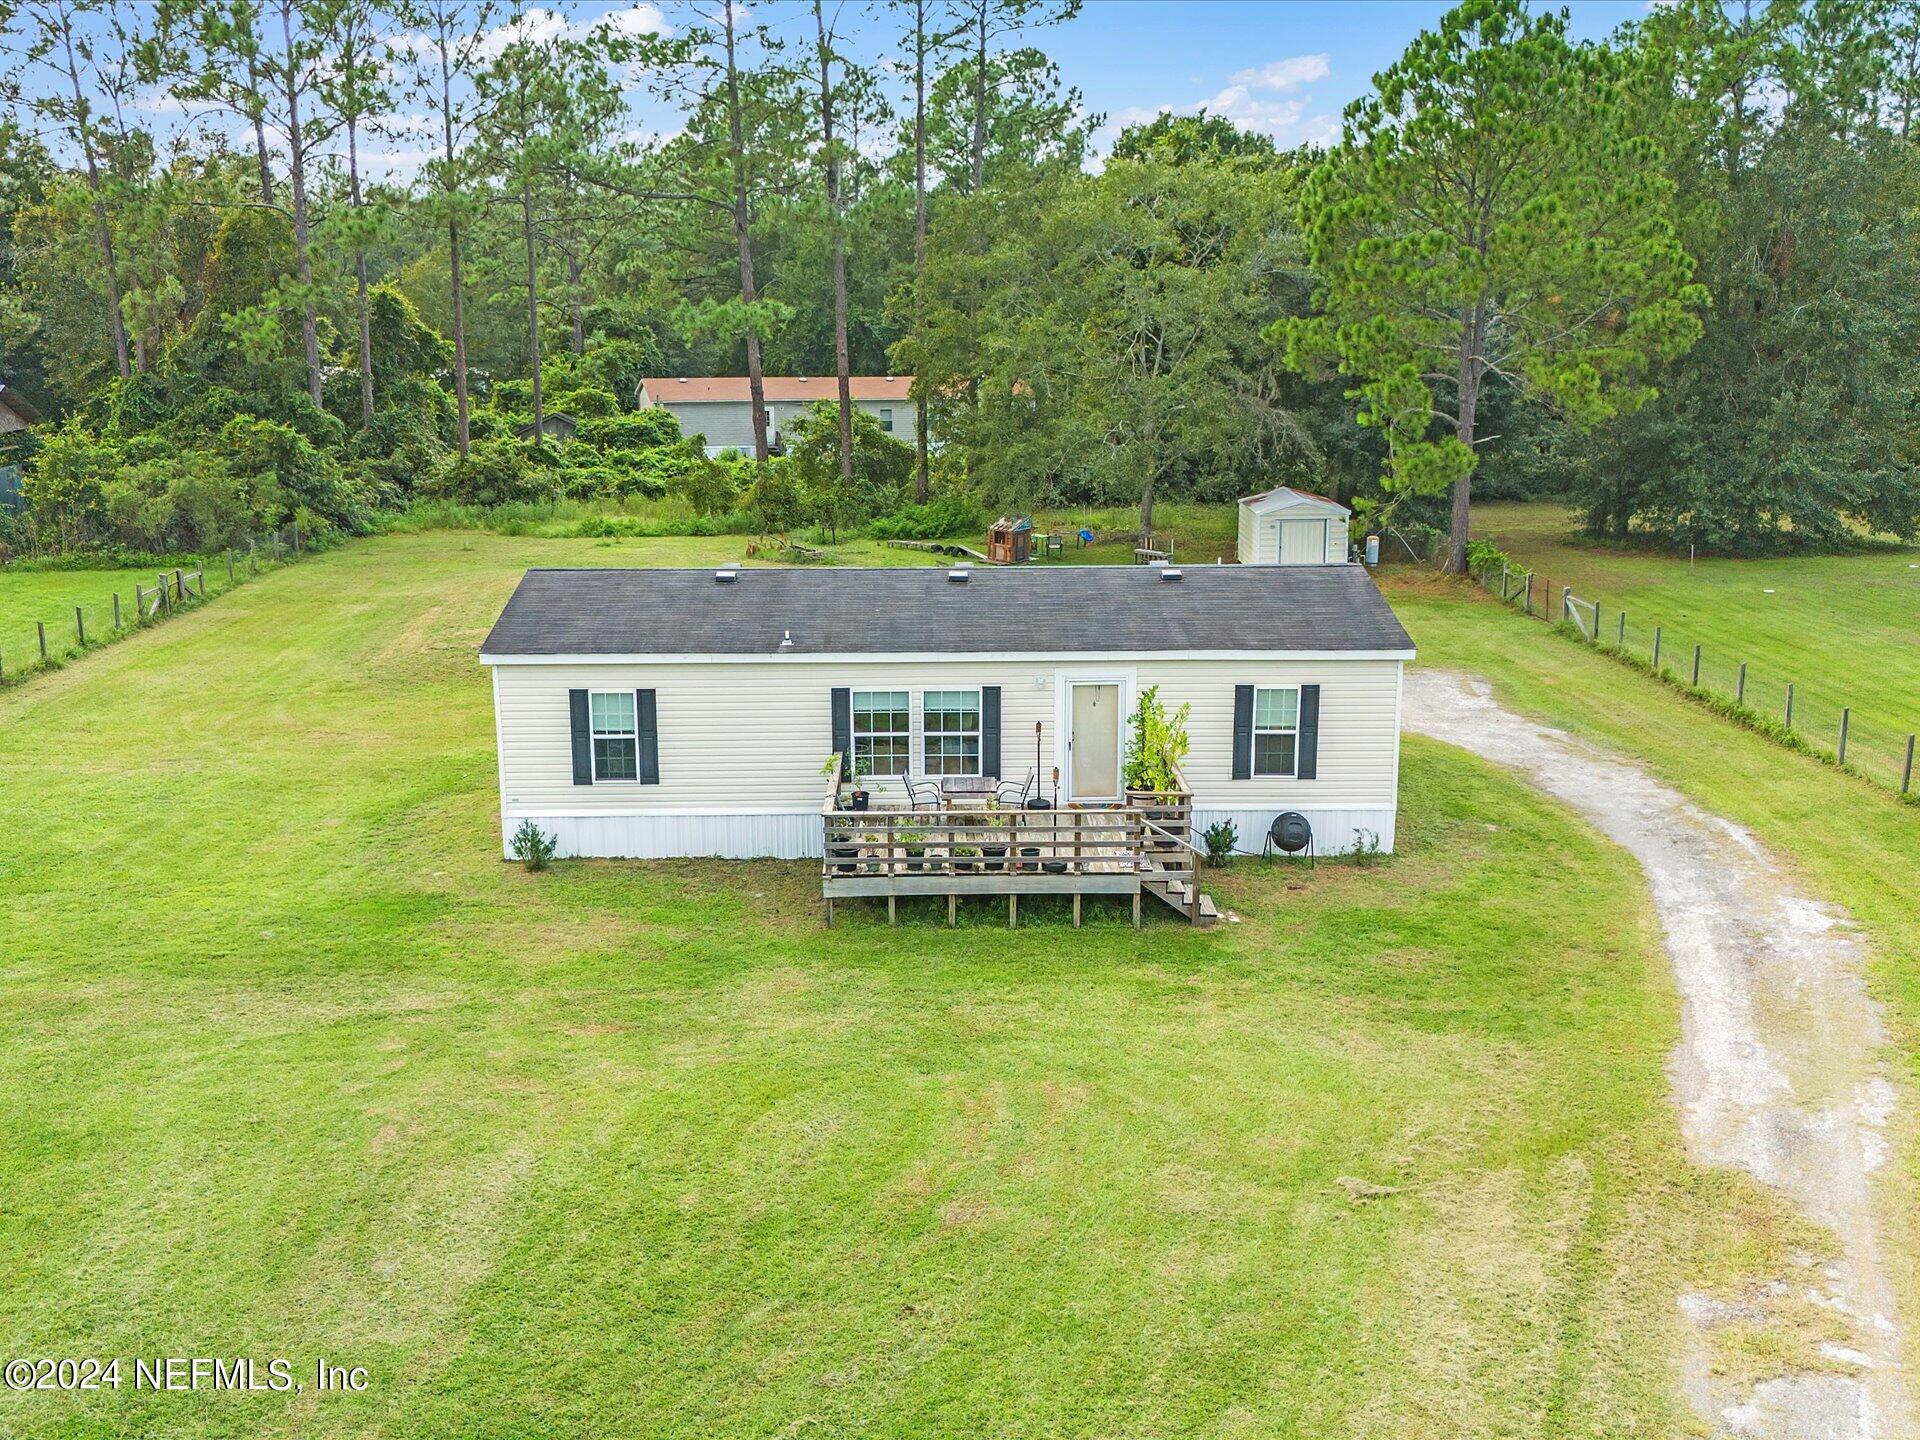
(1076, 894)
(953, 911)
(892, 917)
(1136, 909)
(1013, 911)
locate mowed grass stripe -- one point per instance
(297, 1066)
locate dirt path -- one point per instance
(1775, 1072)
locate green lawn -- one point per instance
(1845, 629)
(49, 597)
(295, 1066)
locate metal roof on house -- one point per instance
(1064, 610)
(707, 389)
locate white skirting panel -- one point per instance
(1334, 831)
(796, 835)
(793, 836)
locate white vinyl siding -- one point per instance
(1267, 535)
(728, 424)
(750, 737)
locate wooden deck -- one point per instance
(981, 851)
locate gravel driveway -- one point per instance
(1776, 1071)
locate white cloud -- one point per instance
(1257, 99)
(1288, 74)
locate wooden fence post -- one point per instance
(1740, 694)
(80, 626)
(41, 626)
(1696, 667)
(1529, 592)
(1656, 649)
(116, 609)
(180, 587)
(229, 565)
(1789, 705)
(201, 576)
(1906, 776)
(1623, 629)
(1846, 715)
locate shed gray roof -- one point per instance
(1065, 609)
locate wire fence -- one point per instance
(1804, 717)
(70, 630)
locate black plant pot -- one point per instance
(1029, 857)
(996, 857)
(845, 856)
(916, 861)
(858, 800)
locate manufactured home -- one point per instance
(1284, 526)
(671, 712)
(720, 407)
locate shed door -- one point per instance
(1094, 762)
(1303, 542)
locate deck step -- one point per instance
(1175, 894)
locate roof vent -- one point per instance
(958, 575)
(1169, 573)
(727, 574)
(683, 379)
(786, 640)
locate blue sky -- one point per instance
(1285, 68)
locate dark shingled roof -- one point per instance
(1064, 609)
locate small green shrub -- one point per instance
(532, 846)
(1366, 848)
(1157, 744)
(1221, 840)
(941, 519)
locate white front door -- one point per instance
(1093, 752)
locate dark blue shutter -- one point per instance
(582, 737)
(843, 729)
(647, 716)
(990, 731)
(1243, 732)
(1309, 767)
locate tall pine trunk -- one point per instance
(919, 237)
(302, 255)
(576, 308)
(103, 229)
(1472, 371)
(533, 315)
(841, 360)
(737, 147)
(360, 281)
(980, 100)
(456, 281)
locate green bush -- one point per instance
(585, 404)
(532, 846)
(1221, 840)
(639, 431)
(497, 472)
(940, 519)
(775, 498)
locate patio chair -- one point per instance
(1007, 793)
(922, 793)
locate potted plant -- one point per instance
(914, 843)
(992, 847)
(1156, 745)
(859, 799)
(844, 851)
(966, 857)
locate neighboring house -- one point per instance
(688, 712)
(15, 411)
(719, 407)
(1292, 527)
(557, 425)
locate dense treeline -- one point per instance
(275, 259)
